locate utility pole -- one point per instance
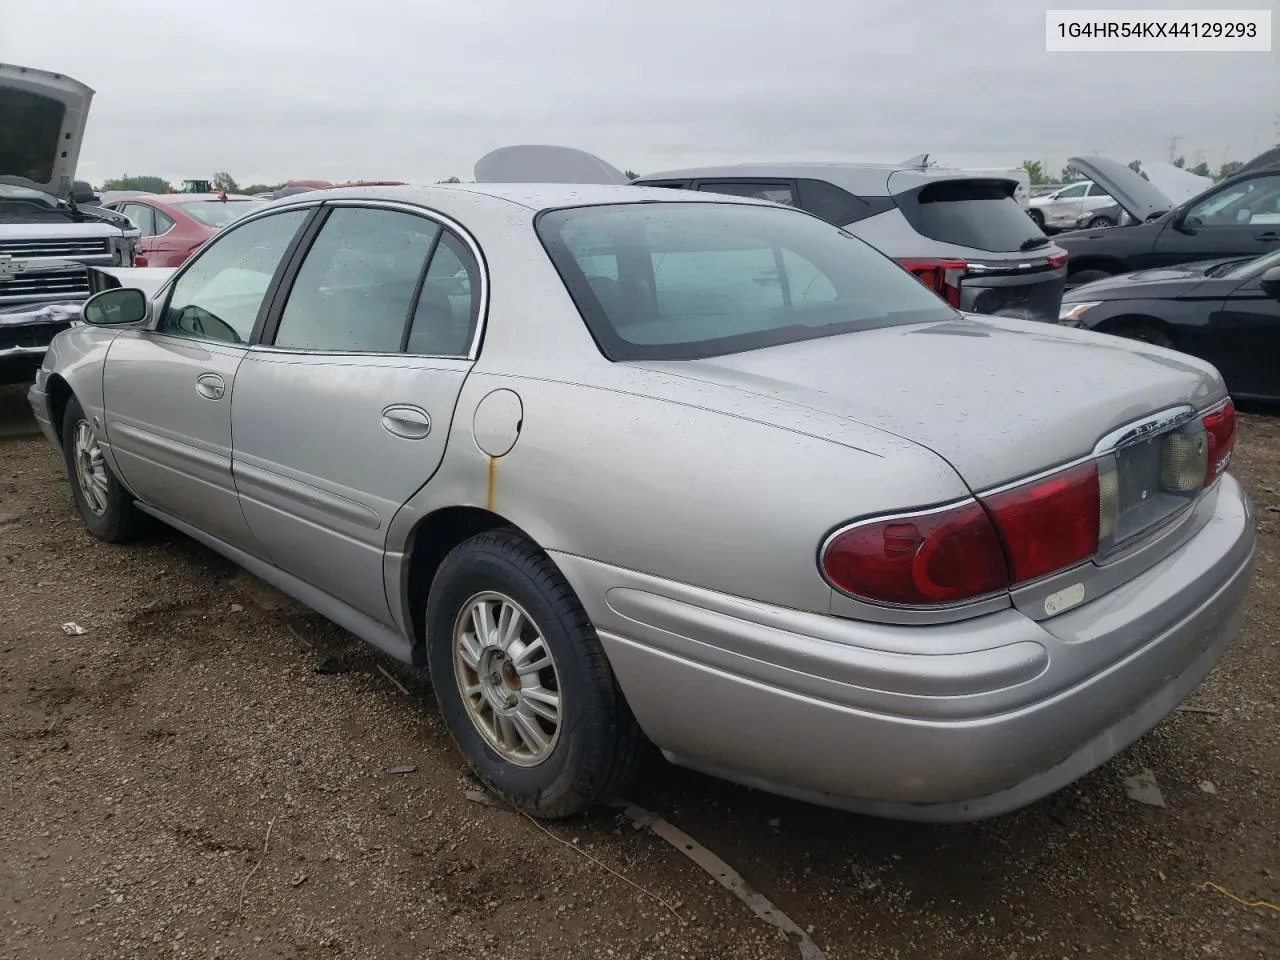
(1173, 146)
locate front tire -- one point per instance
(1038, 217)
(105, 506)
(1098, 222)
(523, 682)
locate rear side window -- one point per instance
(773, 192)
(677, 281)
(355, 289)
(445, 317)
(838, 206)
(981, 214)
(143, 218)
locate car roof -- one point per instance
(195, 197)
(533, 196)
(862, 179)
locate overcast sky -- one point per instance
(405, 90)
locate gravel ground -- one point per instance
(180, 781)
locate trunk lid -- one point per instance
(43, 116)
(535, 163)
(999, 400)
(1140, 198)
(1175, 183)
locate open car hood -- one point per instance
(1177, 184)
(1140, 198)
(532, 163)
(42, 121)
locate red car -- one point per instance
(173, 225)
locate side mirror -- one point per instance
(1271, 283)
(82, 193)
(112, 308)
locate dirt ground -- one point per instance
(180, 781)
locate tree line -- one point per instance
(221, 181)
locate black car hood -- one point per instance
(1156, 283)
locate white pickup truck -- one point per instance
(50, 231)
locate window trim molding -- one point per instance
(290, 276)
(164, 296)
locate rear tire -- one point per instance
(522, 680)
(106, 507)
(1098, 222)
(1038, 217)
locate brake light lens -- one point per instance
(944, 556)
(943, 277)
(973, 549)
(1049, 524)
(1057, 260)
(1220, 431)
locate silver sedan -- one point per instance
(628, 466)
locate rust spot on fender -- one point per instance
(493, 473)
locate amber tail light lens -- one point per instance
(1220, 431)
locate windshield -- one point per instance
(980, 214)
(218, 213)
(682, 281)
(1253, 268)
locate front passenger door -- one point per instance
(1240, 220)
(168, 390)
(342, 414)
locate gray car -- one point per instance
(963, 234)
(625, 466)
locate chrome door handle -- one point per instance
(406, 420)
(210, 386)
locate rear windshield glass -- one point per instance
(981, 214)
(677, 281)
(30, 132)
(217, 213)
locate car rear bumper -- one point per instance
(944, 723)
(1031, 296)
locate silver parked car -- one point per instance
(626, 465)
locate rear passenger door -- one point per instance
(342, 413)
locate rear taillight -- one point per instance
(1048, 524)
(1220, 432)
(1057, 260)
(943, 277)
(973, 549)
(939, 557)
(1007, 538)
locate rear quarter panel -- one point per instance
(728, 502)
